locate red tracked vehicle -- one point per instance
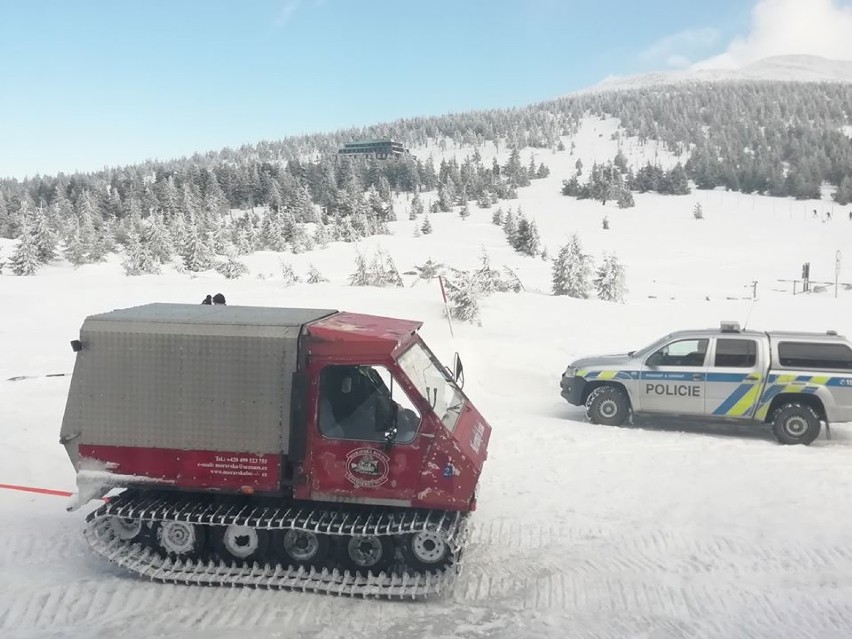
(286, 448)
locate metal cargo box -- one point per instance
(197, 395)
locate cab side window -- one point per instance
(364, 403)
(735, 353)
(685, 352)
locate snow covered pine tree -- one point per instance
(572, 270)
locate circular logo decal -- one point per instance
(367, 467)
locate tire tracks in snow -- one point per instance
(662, 575)
(616, 580)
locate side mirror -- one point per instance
(458, 370)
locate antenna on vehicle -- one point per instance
(750, 309)
(753, 300)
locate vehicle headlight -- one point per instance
(569, 372)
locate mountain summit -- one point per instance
(794, 68)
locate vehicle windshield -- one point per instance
(434, 383)
(650, 348)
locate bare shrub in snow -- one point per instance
(489, 280)
(381, 272)
(289, 275)
(389, 273)
(428, 270)
(314, 276)
(463, 294)
(232, 268)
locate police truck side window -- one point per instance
(814, 355)
(686, 352)
(735, 353)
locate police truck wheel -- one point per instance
(607, 405)
(795, 424)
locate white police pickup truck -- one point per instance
(795, 381)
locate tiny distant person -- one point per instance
(218, 299)
(207, 300)
(850, 216)
(816, 215)
(827, 216)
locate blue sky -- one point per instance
(93, 83)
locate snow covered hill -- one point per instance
(788, 68)
(666, 530)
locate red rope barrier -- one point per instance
(40, 491)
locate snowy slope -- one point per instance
(666, 530)
(787, 68)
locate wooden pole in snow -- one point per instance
(446, 304)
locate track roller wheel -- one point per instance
(124, 528)
(179, 538)
(367, 552)
(426, 550)
(242, 543)
(300, 547)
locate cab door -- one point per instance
(365, 439)
(672, 379)
(734, 377)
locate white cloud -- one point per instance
(675, 50)
(790, 27)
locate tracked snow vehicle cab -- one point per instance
(293, 448)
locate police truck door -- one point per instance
(735, 376)
(672, 378)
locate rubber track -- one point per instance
(392, 584)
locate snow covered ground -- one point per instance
(666, 530)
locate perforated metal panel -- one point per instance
(186, 377)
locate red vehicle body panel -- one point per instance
(192, 468)
(352, 328)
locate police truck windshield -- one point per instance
(650, 348)
(434, 384)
